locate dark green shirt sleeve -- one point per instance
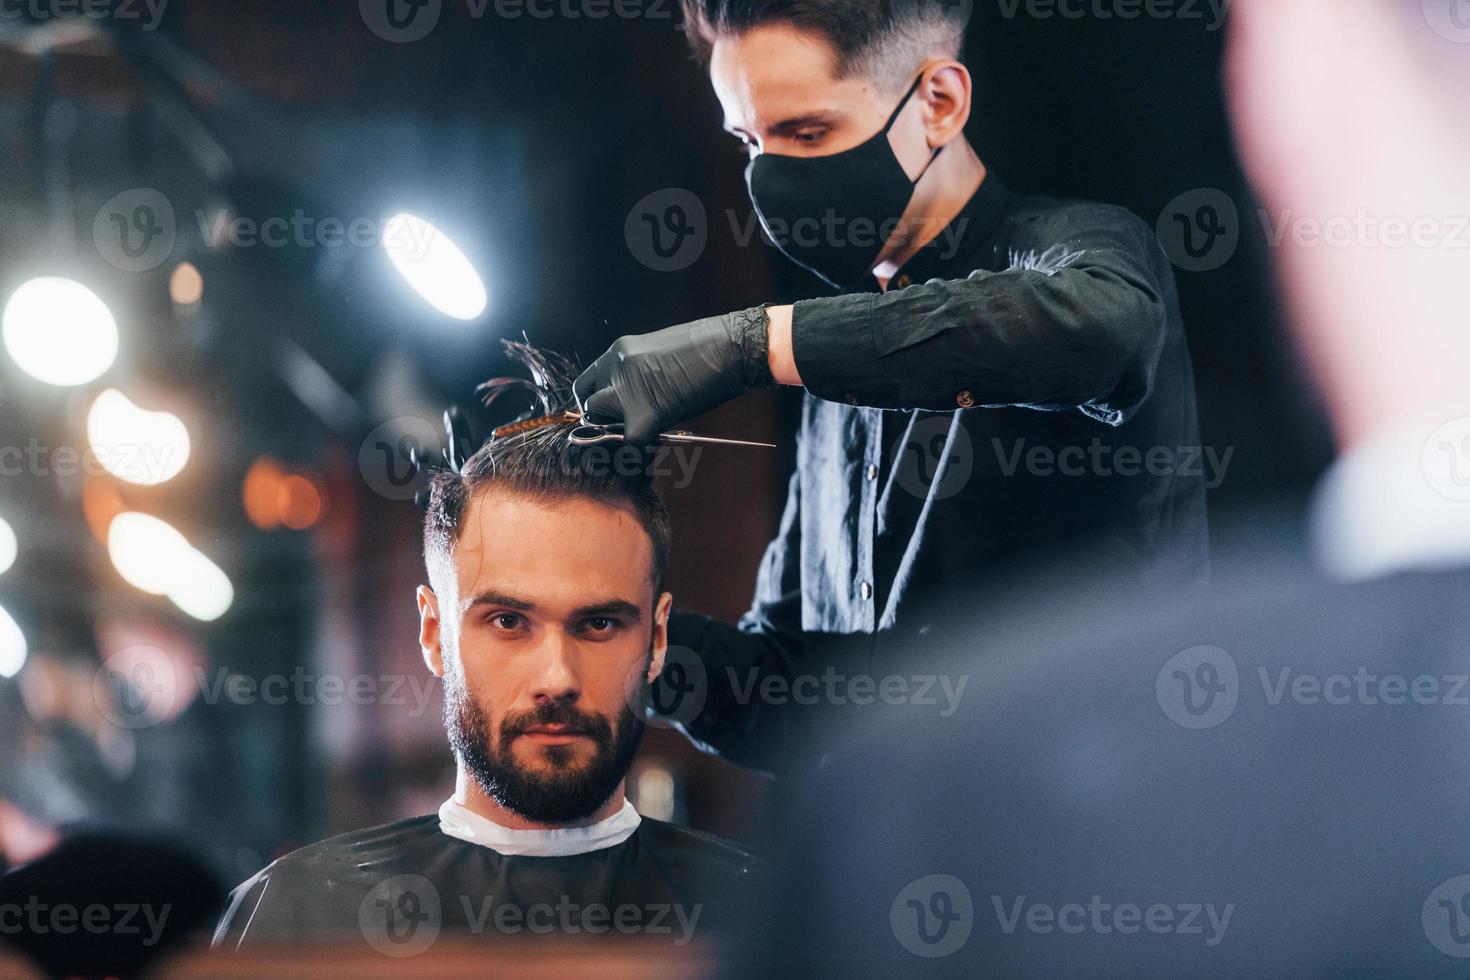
(1076, 319)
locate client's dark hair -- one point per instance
(535, 458)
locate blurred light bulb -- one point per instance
(12, 646)
(101, 502)
(152, 556)
(202, 589)
(9, 547)
(146, 448)
(186, 285)
(261, 493)
(146, 552)
(434, 266)
(300, 503)
(59, 331)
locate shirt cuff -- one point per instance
(832, 344)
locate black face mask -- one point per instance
(833, 214)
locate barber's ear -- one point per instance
(660, 635)
(430, 631)
(946, 93)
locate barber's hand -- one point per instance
(652, 382)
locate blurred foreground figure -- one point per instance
(106, 904)
(80, 898)
(1274, 782)
(547, 621)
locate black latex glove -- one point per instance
(652, 382)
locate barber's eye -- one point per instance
(810, 137)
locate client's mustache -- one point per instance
(556, 713)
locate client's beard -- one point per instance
(566, 793)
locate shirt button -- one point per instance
(965, 400)
(872, 472)
(866, 591)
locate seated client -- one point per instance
(546, 619)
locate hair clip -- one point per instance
(531, 425)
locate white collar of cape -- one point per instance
(457, 821)
(1400, 502)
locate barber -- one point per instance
(983, 389)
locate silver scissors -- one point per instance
(588, 434)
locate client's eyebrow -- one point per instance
(608, 607)
(498, 599)
(613, 607)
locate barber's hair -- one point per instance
(884, 40)
(535, 458)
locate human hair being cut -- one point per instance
(535, 457)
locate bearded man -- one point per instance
(547, 620)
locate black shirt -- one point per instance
(1022, 389)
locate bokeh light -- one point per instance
(273, 497)
(138, 446)
(60, 332)
(300, 503)
(13, 648)
(186, 285)
(9, 546)
(434, 266)
(261, 494)
(152, 556)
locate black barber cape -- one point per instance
(401, 886)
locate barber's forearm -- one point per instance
(1021, 337)
(782, 359)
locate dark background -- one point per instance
(528, 140)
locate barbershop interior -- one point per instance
(734, 488)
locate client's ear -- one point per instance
(660, 635)
(430, 631)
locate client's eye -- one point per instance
(507, 621)
(601, 624)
